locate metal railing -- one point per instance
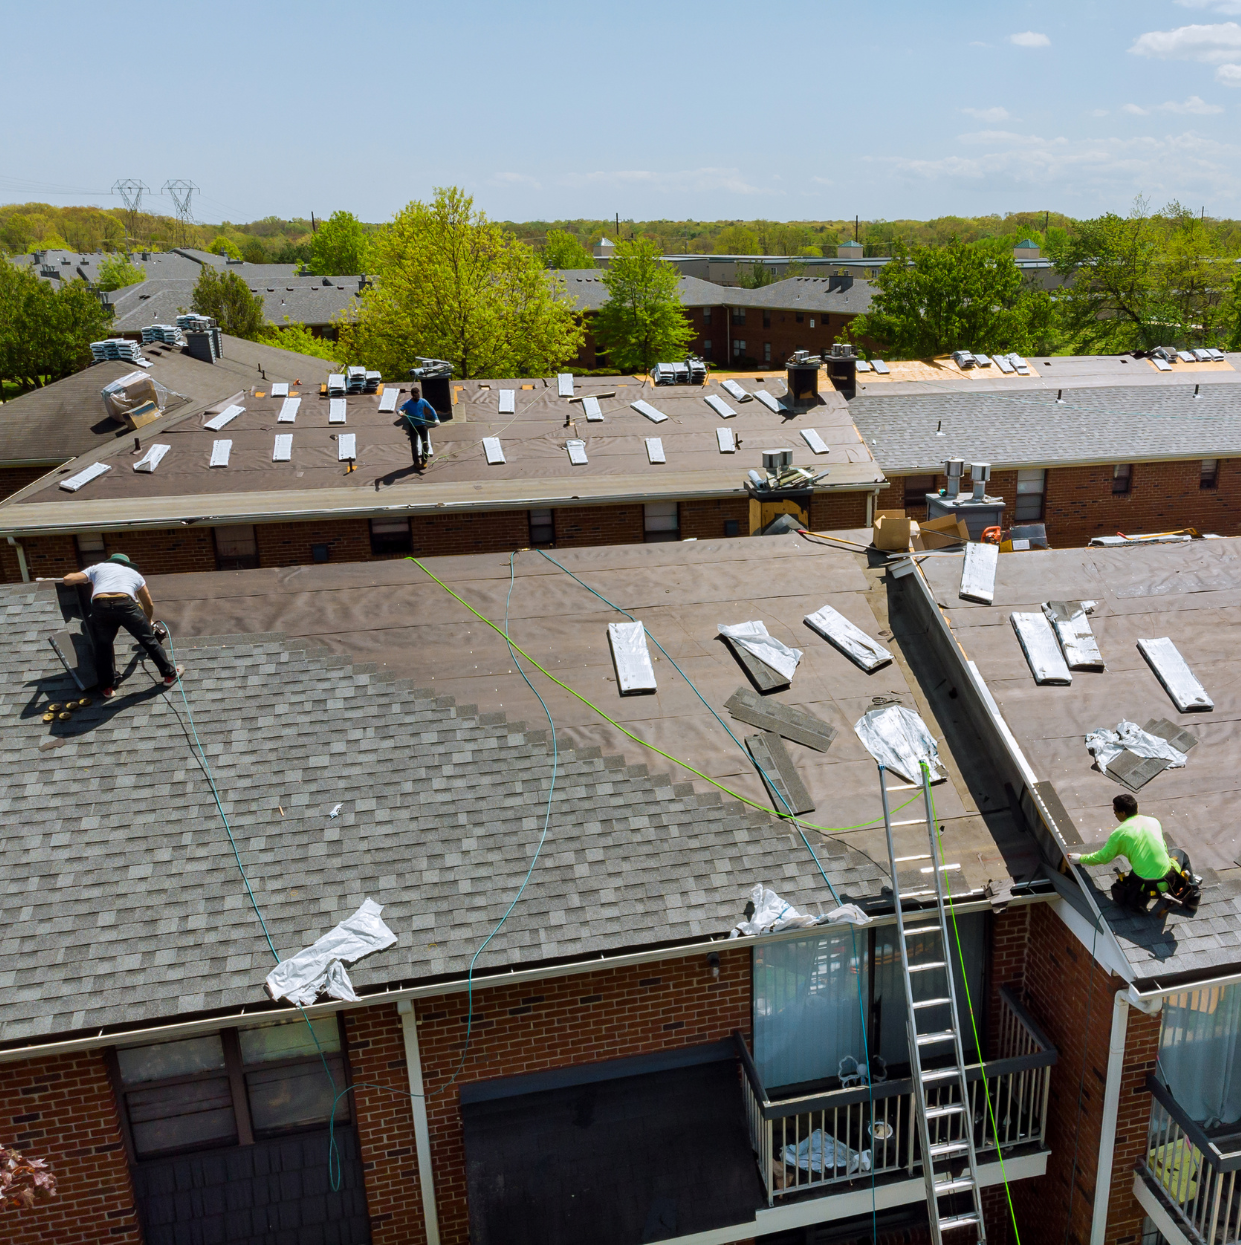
(1190, 1173)
(819, 1140)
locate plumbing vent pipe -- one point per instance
(980, 473)
(954, 469)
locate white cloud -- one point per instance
(1218, 6)
(1099, 112)
(667, 181)
(977, 43)
(517, 179)
(1229, 75)
(1136, 111)
(988, 114)
(1194, 106)
(1209, 44)
(1030, 39)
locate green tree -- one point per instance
(451, 284)
(643, 321)
(48, 242)
(220, 245)
(937, 299)
(254, 252)
(737, 240)
(340, 248)
(563, 250)
(755, 276)
(116, 272)
(227, 297)
(1194, 275)
(45, 332)
(299, 339)
(16, 234)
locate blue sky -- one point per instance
(786, 109)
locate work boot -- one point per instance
(169, 680)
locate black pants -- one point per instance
(107, 616)
(420, 444)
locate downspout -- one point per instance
(870, 509)
(1111, 1105)
(422, 1133)
(21, 559)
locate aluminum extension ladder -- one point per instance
(940, 1156)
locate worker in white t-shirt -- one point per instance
(119, 598)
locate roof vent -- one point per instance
(954, 469)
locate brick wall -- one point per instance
(556, 1023)
(14, 478)
(705, 519)
(499, 532)
(784, 334)
(45, 555)
(836, 512)
(599, 525)
(289, 544)
(385, 1123)
(61, 1109)
(1079, 502)
(1059, 977)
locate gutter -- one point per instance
(21, 559)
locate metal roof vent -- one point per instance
(954, 469)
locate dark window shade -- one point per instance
(1122, 479)
(295, 1095)
(738, 315)
(181, 1117)
(916, 489)
(766, 319)
(236, 547)
(391, 536)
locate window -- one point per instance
(916, 489)
(542, 528)
(738, 315)
(1198, 1047)
(1122, 479)
(766, 352)
(706, 315)
(738, 347)
(812, 321)
(236, 547)
(321, 553)
(1208, 473)
(732, 527)
(1031, 487)
(766, 319)
(227, 1088)
(799, 318)
(90, 549)
(706, 349)
(661, 521)
(391, 536)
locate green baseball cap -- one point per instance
(120, 557)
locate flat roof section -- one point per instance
(536, 469)
(1190, 593)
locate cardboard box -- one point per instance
(892, 531)
(140, 416)
(948, 532)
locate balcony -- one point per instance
(1188, 1182)
(820, 1143)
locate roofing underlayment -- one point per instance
(120, 899)
(535, 466)
(1190, 593)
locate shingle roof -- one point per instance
(1031, 429)
(121, 901)
(300, 300)
(807, 294)
(586, 287)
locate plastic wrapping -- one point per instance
(1042, 649)
(822, 1155)
(132, 392)
(1105, 746)
(320, 968)
(634, 672)
(898, 739)
(838, 631)
(772, 915)
(752, 636)
(152, 458)
(978, 573)
(1072, 628)
(85, 476)
(1174, 673)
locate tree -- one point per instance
(737, 240)
(299, 339)
(227, 297)
(937, 299)
(45, 332)
(254, 252)
(755, 276)
(643, 321)
(23, 1181)
(220, 245)
(340, 248)
(116, 272)
(563, 250)
(451, 284)
(1194, 277)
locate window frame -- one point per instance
(88, 557)
(1208, 480)
(706, 315)
(1041, 494)
(242, 562)
(389, 544)
(766, 319)
(658, 534)
(919, 494)
(1117, 478)
(550, 511)
(739, 347)
(738, 315)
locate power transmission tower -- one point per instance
(131, 192)
(182, 192)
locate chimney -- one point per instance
(850, 250)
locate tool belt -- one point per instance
(1178, 890)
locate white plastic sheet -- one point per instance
(822, 1155)
(752, 636)
(1105, 746)
(1042, 649)
(85, 476)
(838, 631)
(1072, 628)
(898, 739)
(1172, 670)
(320, 968)
(226, 416)
(152, 458)
(978, 573)
(633, 659)
(772, 915)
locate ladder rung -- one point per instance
(926, 968)
(949, 1147)
(930, 1039)
(927, 927)
(936, 1113)
(931, 1003)
(939, 1074)
(959, 1221)
(916, 894)
(944, 1187)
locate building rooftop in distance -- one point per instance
(795, 293)
(536, 470)
(387, 698)
(1189, 593)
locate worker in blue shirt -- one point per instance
(421, 416)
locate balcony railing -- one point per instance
(826, 1139)
(1193, 1174)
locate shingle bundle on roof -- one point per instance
(169, 334)
(117, 348)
